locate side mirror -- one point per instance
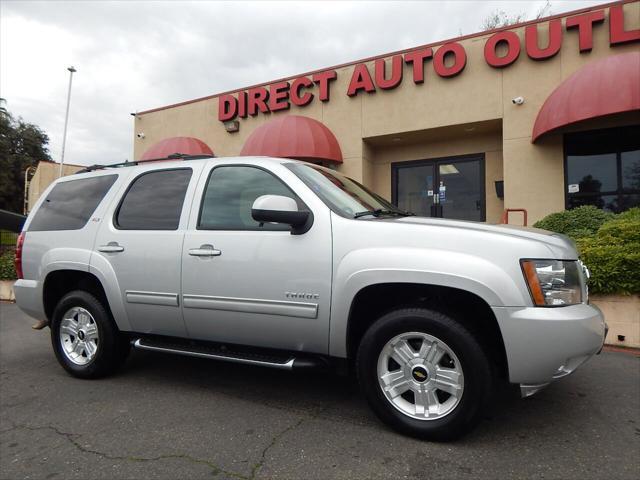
(281, 209)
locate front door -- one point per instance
(251, 283)
(449, 187)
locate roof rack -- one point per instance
(173, 156)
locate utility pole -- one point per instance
(72, 70)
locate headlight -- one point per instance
(553, 283)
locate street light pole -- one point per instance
(72, 70)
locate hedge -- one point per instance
(611, 251)
(7, 269)
(577, 223)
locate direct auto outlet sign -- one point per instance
(500, 50)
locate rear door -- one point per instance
(260, 285)
(142, 243)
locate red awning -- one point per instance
(176, 145)
(293, 136)
(603, 87)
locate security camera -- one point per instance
(140, 135)
(518, 101)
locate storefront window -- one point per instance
(603, 168)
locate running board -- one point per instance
(218, 353)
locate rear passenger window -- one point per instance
(154, 201)
(70, 204)
(229, 196)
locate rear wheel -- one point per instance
(423, 373)
(84, 337)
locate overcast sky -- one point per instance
(132, 56)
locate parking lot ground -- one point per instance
(167, 416)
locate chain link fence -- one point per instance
(7, 241)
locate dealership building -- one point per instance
(539, 116)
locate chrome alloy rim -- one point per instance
(420, 376)
(79, 336)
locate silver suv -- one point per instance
(289, 265)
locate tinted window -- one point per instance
(603, 168)
(70, 204)
(154, 201)
(230, 194)
(593, 173)
(630, 163)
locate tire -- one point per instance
(455, 384)
(85, 339)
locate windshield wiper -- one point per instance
(379, 211)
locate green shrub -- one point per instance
(7, 269)
(633, 215)
(619, 232)
(614, 267)
(608, 244)
(577, 223)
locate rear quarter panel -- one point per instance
(48, 251)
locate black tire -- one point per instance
(112, 348)
(472, 358)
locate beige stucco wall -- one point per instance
(533, 174)
(622, 313)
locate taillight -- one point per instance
(18, 258)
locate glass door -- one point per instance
(456, 184)
(415, 188)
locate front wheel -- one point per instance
(84, 337)
(423, 373)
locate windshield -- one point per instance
(343, 195)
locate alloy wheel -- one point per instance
(79, 336)
(420, 375)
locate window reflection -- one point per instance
(603, 168)
(630, 164)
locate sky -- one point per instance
(136, 55)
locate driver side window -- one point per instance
(229, 196)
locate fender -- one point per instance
(52, 261)
(366, 267)
(58, 259)
(107, 276)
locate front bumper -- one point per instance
(544, 344)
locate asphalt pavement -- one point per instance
(168, 416)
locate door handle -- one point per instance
(206, 250)
(111, 247)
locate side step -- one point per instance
(282, 362)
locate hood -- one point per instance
(550, 238)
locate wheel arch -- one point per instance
(375, 299)
(59, 282)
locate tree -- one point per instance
(499, 18)
(22, 145)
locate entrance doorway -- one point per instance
(455, 183)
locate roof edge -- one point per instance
(385, 55)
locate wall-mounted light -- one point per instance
(232, 126)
